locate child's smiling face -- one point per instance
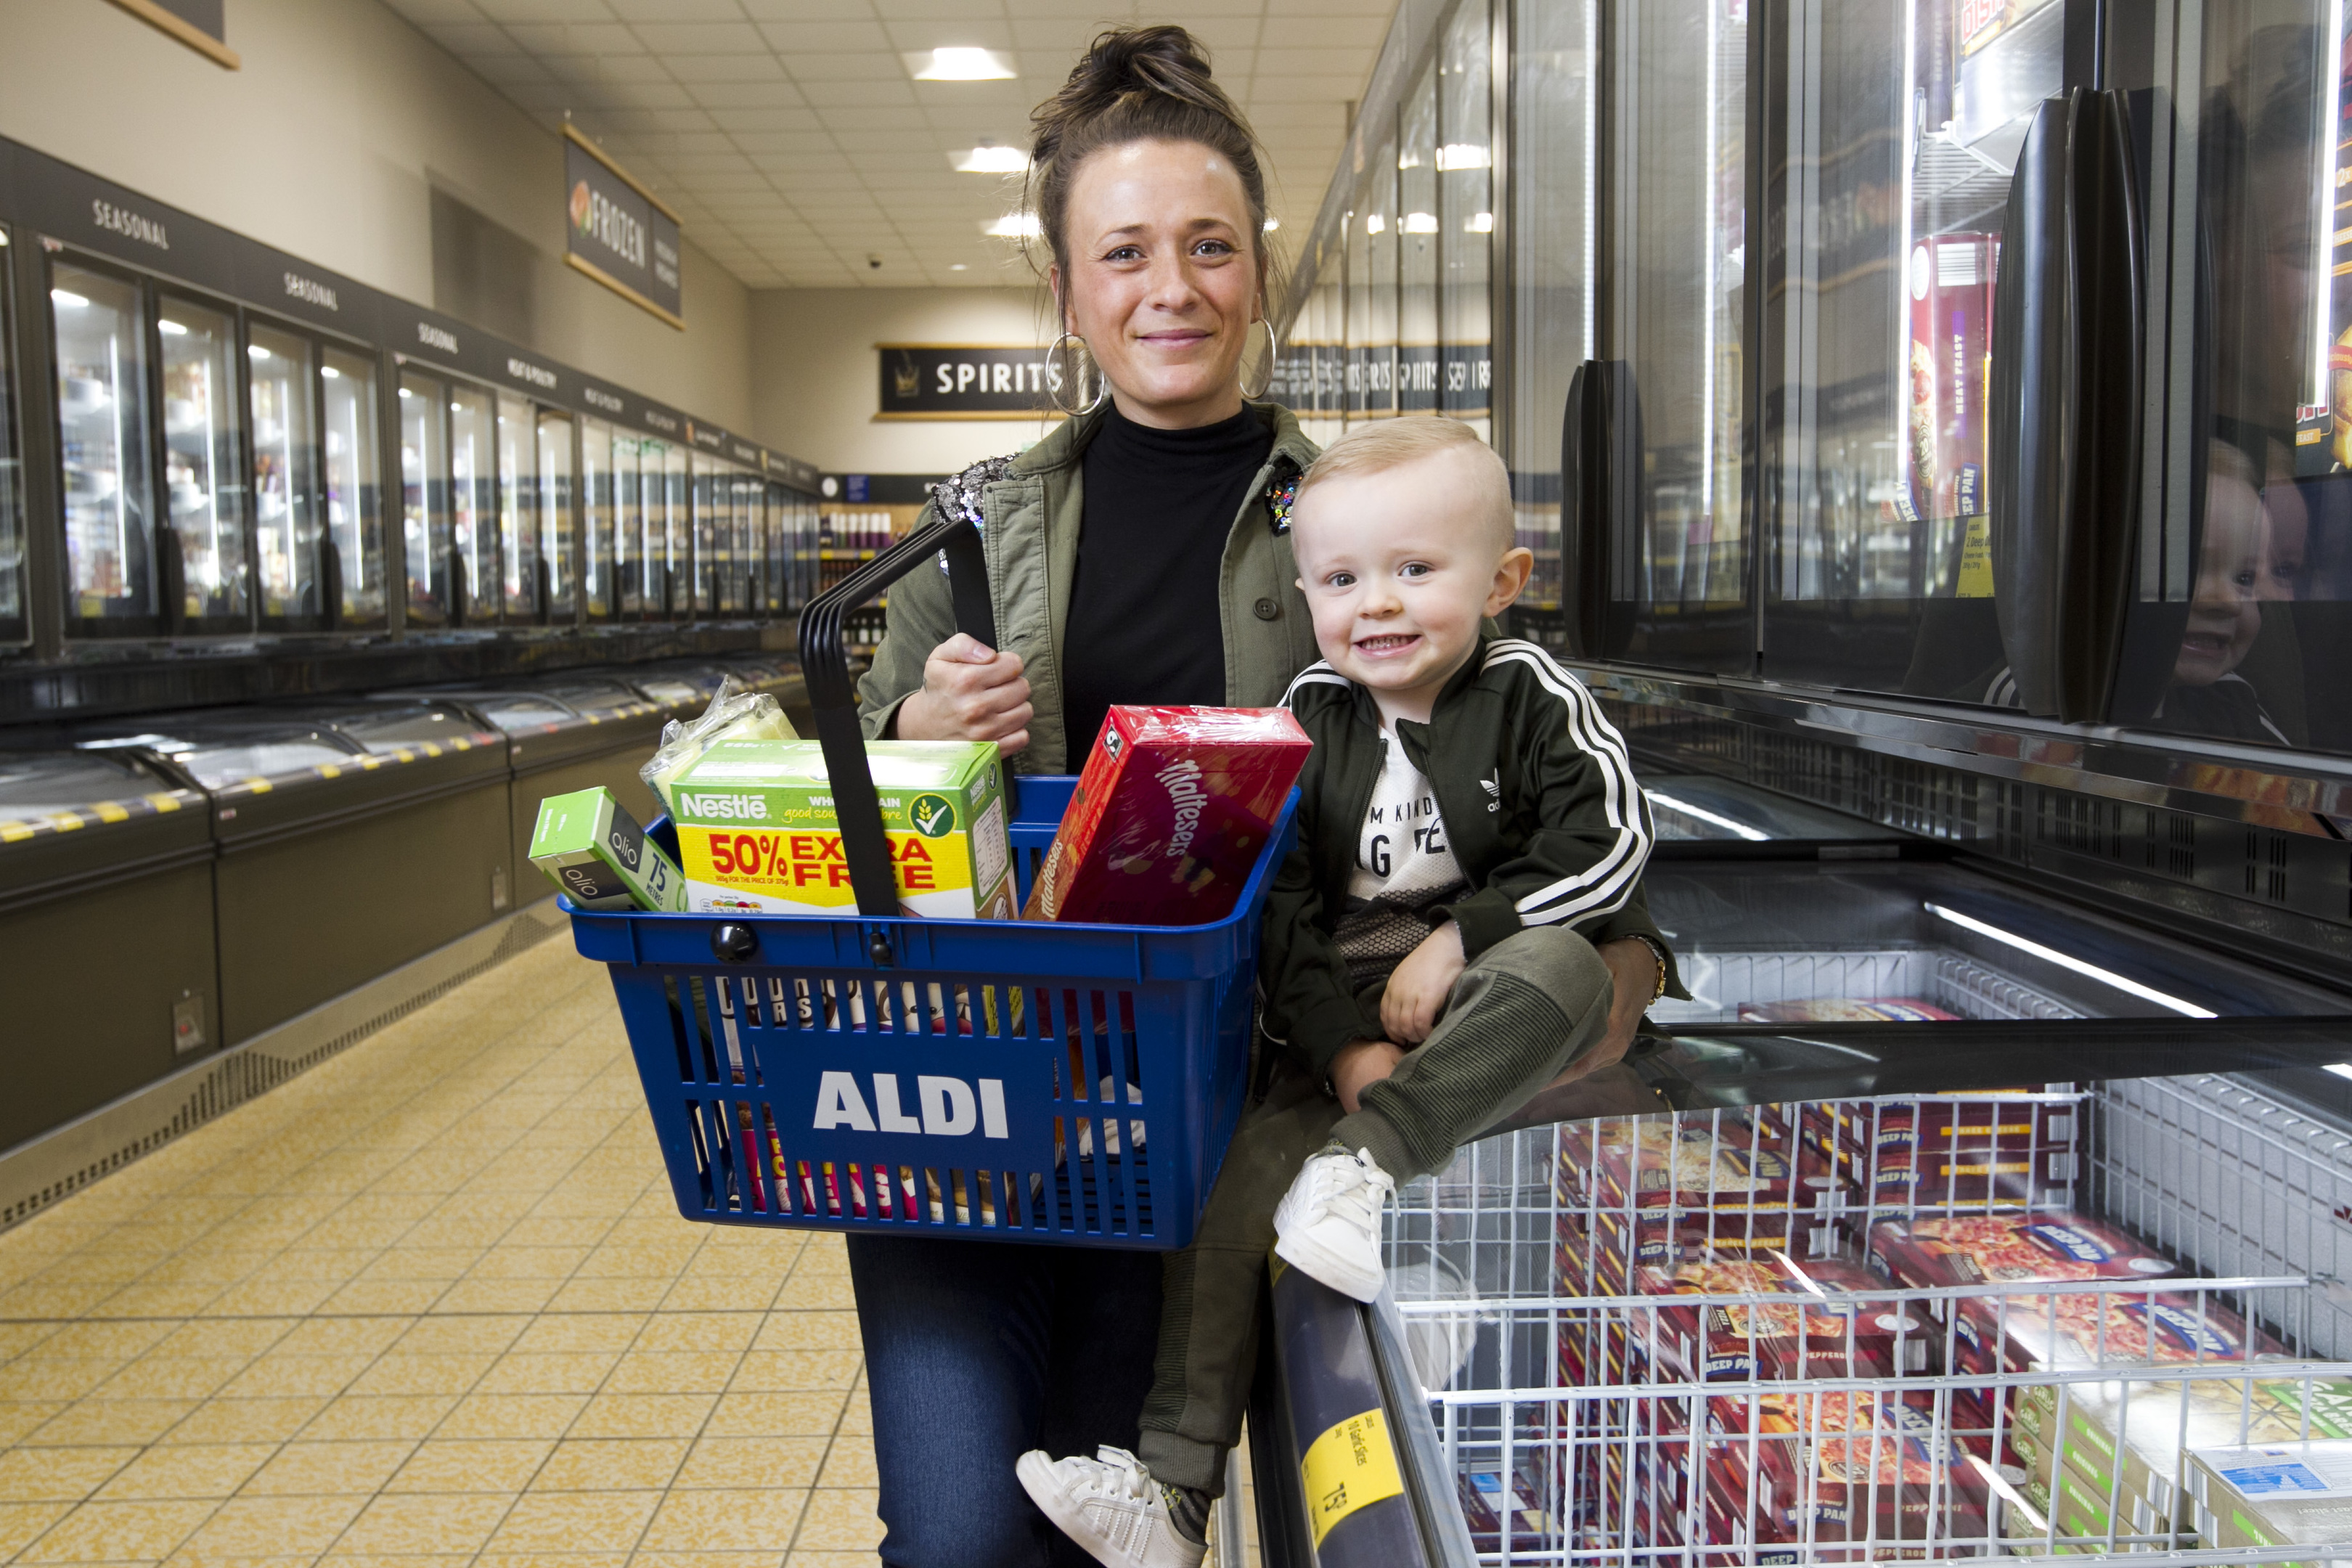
(1399, 566)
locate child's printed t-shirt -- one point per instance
(1404, 867)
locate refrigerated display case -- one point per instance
(204, 579)
(629, 516)
(525, 579)
(94, 845)
(353, 837)
(282, 373)
(599, 564)
(557, 527)
(100, 326)
(674, 568)
(350, 490)
(427, 493)
(1699, 816)
(15, 625)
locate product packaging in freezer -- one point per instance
(1815, 1335)
(2277, 1494)
(1596, 1250)
(1649, 1162)
(1940, 1151)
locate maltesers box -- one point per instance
(590, 847)
(757, 832)
(1170, 812)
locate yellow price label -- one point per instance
(1352, 1465)
(1975, 560)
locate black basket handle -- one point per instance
(825, 662)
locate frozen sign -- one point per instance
(965, 380)
(617, 232)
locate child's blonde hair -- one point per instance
(1387, 443)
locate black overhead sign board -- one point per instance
(964, 380)
(82, 215)
(617, 232)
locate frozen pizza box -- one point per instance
(1597, 1249)
(2277, 1494)
(1974, 1250)
(1640, 1162)
(1831, 1327)
(757, 833)
(1855, 1464)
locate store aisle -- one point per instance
(430, 1299)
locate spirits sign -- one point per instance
(966, 380)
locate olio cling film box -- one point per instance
(757, 833)
(590, 847)
(1169, 816)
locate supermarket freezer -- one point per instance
(1886, 1070)
(106, 861)
(352, 838)
(1701, 816)
(563, 735)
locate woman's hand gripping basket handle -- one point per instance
(825, 663)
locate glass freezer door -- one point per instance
(597, 559)
(347, 404)
(2240, 624)
(556, 556)
(525, 585)
(203, 469)
(1654, 533)
(11, 494)
(474, 506)
(282, 371)
(1890, 171)
(103, 359)
(425, 496)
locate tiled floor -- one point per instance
(430, 1301)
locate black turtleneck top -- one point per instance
(1144, 625)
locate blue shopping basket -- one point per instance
(1029, 1081)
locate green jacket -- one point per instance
(1540, 807)
(1031, 521)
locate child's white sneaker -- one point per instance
(1110, 1506)
(1329, 1225)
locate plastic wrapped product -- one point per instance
(734, 714)
(2280, 1494)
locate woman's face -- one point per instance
(1162, 278)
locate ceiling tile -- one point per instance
(717, 71)
(756, 120)
(676, 10)
(879, 65)
(789, 38)
(962, 31)
(698, 37)
(546, 10)
(575, 38)
(761, 146)
(884, 104)
(435, 14)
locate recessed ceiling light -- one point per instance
(960, 65)
(958, 266)
(991, 161)
(1014, 226)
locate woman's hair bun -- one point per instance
(1136, 84)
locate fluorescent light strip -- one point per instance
(1687, 809)
(2341, 1069)
(2067, 960)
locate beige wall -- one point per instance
(817, 380)
(326, 145)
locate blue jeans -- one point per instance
(979, 1350)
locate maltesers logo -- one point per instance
(582, 208)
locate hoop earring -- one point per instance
(1054, 386)
(1265, 381)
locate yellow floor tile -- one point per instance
(515, 1296)
(276, 1526)
(668, 1332)
(747, 1462)
(419, 1525)
(22, 1523)
(321, 1468)
(813, 1331)
(98, 1339)
(471, 1464)
(833, 1559)
(581, 1332)
(187, 1470)
(105, 1421)
(840, 1520)
(558, 1373)
(611, 1464)
(118, 1533)
(760, 1521)
(40, 1376)
(379, 1416)
(673, 1371)
(643, 1416)
(575, 1521)
(343, 1336)
(849, 1464)
(221, 1420)
(483, 1415)
(52, 1475)
(278, 1376)
(775, 1416)
(792, 1371)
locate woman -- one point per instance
(1135, 555)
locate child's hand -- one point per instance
(1418, 987)
(1360, 1066)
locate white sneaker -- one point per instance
(1329, 1225)
(1110, 1506)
